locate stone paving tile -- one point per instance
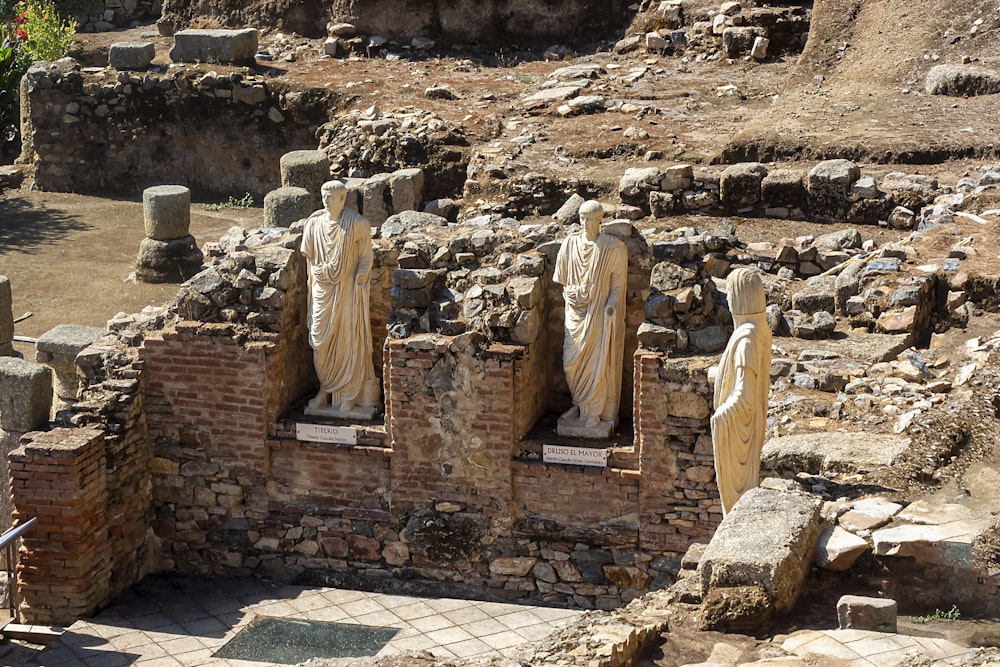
(412, 611)
(468, 648)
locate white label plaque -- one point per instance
(341, 435)
(580, 456)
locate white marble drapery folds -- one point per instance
(338, 245)
(592, 268)
(741, 390)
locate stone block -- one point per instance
(131, 55)
(6, 318)
(838, 549)
(865, 613)
(168, 261)
(738, 42)
(166, 211)
(374, 193)
(816, 452)
(308, 170)
(784, 188)
(829, 187)
(406, 187)
(677, 177)
(767, 540)
(25, 394)
(286, 205)
(740, 184)
(637, 183)
(236, 47)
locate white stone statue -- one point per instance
(593, 269)
(741, 389)
(337, 242)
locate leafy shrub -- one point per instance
(36, 32)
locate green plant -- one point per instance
(246, 201)
(952, 614)
(36, 32)
(48, 35)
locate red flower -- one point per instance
(21, 35)
(21, 18)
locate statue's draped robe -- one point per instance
(339, 324)
(740, 418)
(593, 276)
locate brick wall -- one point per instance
(60, 478)
(678, 497)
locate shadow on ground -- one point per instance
(24, 226)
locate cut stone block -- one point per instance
(131, 55)
(818, 452)
(739, 185)
(767, 540)
(838, 549)
(58, 348)
(374, 194)
(166, 212)
(868, 514)
(25, 394)
(6, 318)
(284, 206)
(308, 170)
(407, 189)
(215, 46)
(865, 613)
(949, 544)
(829, 185)
(170, 261)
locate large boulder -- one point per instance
(767, 540)
(962, 81)
(829, 186)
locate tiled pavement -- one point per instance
(863, 648)
(171, 620)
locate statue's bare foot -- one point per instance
(572, 413)
(346, 406)
(318, 400)
(590, 421)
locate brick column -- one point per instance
(59, 477)
(678, 498)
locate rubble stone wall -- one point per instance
(221, 133)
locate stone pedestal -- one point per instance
(234, 47)
(574, 427)
(57, 348)
(286, 205)
(6, 319)
(168, 253)
(25, 402)
(357, 413)
(131, 55)
(306, 169)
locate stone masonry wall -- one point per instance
(219, 131)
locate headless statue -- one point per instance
(593, 269)
(337, 242)
(741, 390)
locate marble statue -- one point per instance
(741, 389)
(592, 268)
(337, 242)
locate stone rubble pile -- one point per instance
(361, 144)
(733, 30)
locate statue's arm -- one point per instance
(740, 401)
(619, 280)
(365, 248)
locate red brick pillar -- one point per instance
(59, 477)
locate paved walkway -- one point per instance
(863, 648)
(171, 621)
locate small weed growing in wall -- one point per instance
(246, 201)
(952, 614)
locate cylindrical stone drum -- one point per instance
(166, 211)
(284, 206)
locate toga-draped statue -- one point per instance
(592, 268)
(741, 389)
(337, 243)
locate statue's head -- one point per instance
(591, 214)
(746, 292)
(334, 195)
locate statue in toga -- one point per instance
(741, 390)
(592, 268)
(337, 243)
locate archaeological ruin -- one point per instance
(477, 341)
